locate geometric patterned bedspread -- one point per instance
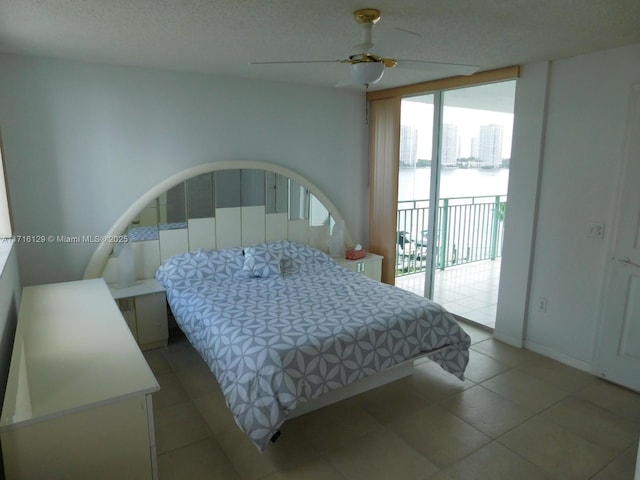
(277, 341)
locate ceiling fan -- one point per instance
(368, 68)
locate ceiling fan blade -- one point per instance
(440, 67)
(408, 32)
(389, 62)
(299, 61)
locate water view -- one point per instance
(413, 183)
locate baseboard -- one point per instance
(508, 339)
(560, 357)
(479, 325)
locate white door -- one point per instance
(619, 351)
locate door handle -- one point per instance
(627, 261)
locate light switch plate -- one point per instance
(595, 230)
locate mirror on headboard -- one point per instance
(220, 209)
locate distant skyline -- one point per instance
(467, 122)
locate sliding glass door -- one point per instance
(452, 196)
(414, 191)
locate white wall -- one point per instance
(520, 223)
(582, 141)
(83, 141)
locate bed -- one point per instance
(284, 329)
(281, 324)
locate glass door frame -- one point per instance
(434, 194)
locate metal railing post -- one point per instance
(443, 234)
(494, 229)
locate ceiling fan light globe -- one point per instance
(367, 73)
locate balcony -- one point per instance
(470, 232)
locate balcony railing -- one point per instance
(469, 229)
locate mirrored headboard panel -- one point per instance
(218, 205)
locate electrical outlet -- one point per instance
(542, 305)
(595, 230)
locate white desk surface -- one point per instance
(72, 350)
(140, 287)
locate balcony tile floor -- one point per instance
(470, 291)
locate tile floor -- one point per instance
(469, 290)
(517, 416)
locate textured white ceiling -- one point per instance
(223, 36)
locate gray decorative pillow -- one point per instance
(262, 260)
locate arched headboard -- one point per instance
(250, 202)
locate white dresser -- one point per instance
(78, 400)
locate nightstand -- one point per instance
(144, 308)
(371, 265)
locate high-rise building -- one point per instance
(474, 149)
(490, 146)
(450, 145)
(408, 145)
